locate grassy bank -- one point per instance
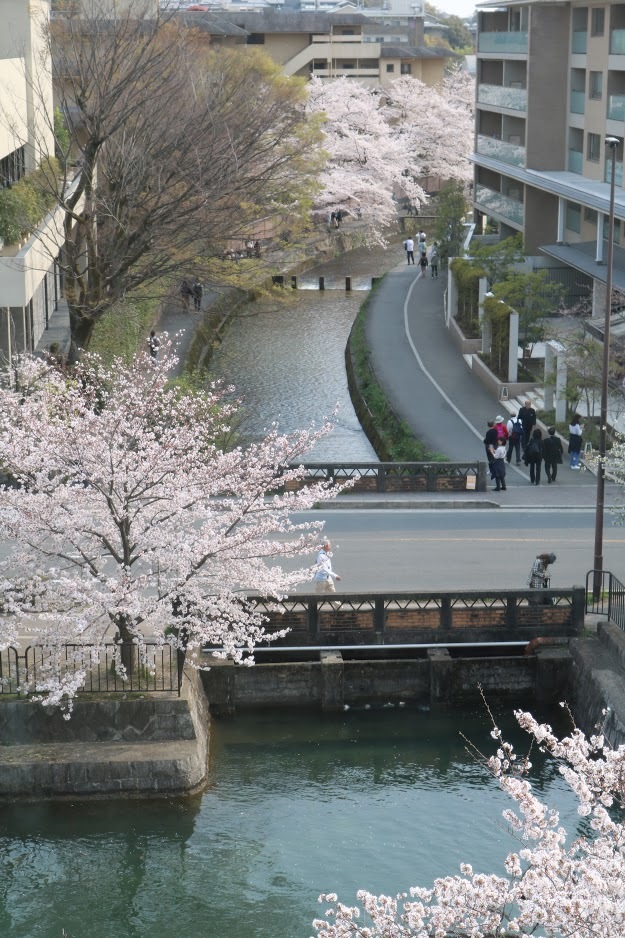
(124, 329)
(392, 438)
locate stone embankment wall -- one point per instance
(598, 684)
(152, 746)
(331, 681)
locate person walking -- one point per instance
(422, 237)
(490, 440)
(423, 263)
(533, 456)
(434, 262)
(527, 416)
(409, 249)
(198, 293)
(552, 454)
(186, 292)
(539, 578)
(515, 435)
(498, 471)
(154, 344)
(576, 428)
(324, 575)
(500, 427)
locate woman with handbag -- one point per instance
(575, 441)
(539, 579)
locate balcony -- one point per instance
(335, 37)
(579, 41)
(501, 150)
(503, 43)
(577, 102)
(608, 172)
(576, 161)
(616, 107)
(502, 205)
(501, 96)
(339, 72)
(617, 42)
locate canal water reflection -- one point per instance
(288, 362)
(298, 803)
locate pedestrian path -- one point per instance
(431, 387)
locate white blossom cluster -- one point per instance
(127, 516)
(380, 145)
(555, 885)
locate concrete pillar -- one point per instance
(331, 680)
(553, 671)
(599, 253)
(452, 295)
(219, 686)
(441, 675)
(598, 298)
(484, 324)
(561, 215)
(560, 395)
(513, 347)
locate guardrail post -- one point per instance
(511, 608)
(293, 282)
(313, 621)
(431, 478)
(609, 575)
(348, 284)
(481, 477)
(330, 474)
(379, 617)
(446, 615)
(322, 283)
(381, 478)
(578, 607)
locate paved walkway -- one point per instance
(431, 387)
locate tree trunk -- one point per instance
(128, 652)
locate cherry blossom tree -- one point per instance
(368, 162)
(127, 517)
(438, 122)
(555, 884)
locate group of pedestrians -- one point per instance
(193, 292)
(520, 437)
(424, 262)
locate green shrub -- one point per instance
(24, 204)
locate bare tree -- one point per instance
(172, 150)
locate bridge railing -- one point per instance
(417, 617)
(400, 477)
(605, 596)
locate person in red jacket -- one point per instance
(501, 428)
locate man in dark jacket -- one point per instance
(527, 416)
(490, 440)
(552, 454)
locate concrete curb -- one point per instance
(409, 504)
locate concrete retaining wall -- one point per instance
(140, 747)
(597, 683)
(333, 681)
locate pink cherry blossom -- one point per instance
(132, 516)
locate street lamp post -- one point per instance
(611, 144)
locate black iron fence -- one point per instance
(400, 477)
(109, 669)
(605, 596)
(426, 617)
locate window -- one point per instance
(597, 21)
(593, 150)
(590, 215)
(256, 39)
(406, 68)
(12, 168)
(595, 86)
(617, 229)
(573, 217)
(390, 68)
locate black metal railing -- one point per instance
(437, 617)
(605, 596)
(110, 669)
(401, 477)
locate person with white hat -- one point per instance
(324, 575)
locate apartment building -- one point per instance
(550, 87)
(29, 280)
(329, 45)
